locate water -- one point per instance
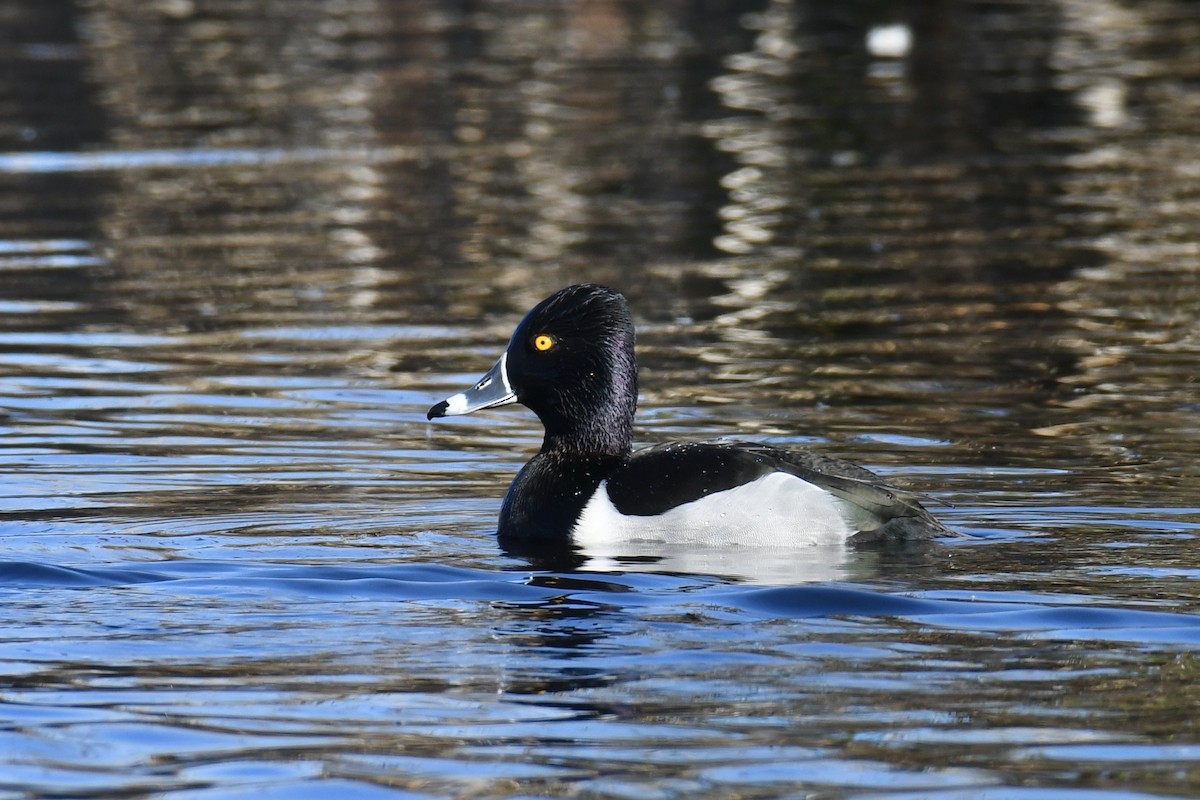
(244, 247)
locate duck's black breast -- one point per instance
(549, 493)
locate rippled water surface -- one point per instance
(244, 246)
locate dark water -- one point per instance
(244, 246)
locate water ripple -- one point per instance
(1044, 616)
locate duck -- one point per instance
(571, 362)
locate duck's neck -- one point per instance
(580, 427)
(603, 435)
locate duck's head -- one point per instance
(571, 362)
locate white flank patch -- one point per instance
(777, 510)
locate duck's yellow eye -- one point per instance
(543, 342)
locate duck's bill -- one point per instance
(492, 390)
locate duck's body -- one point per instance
(707, 493)
(571, 361)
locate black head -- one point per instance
(571, 362)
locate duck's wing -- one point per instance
(879, 509)
(659, 478)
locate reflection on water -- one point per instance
(243, 247)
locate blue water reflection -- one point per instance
(558, 655)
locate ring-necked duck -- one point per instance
(571, 362)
